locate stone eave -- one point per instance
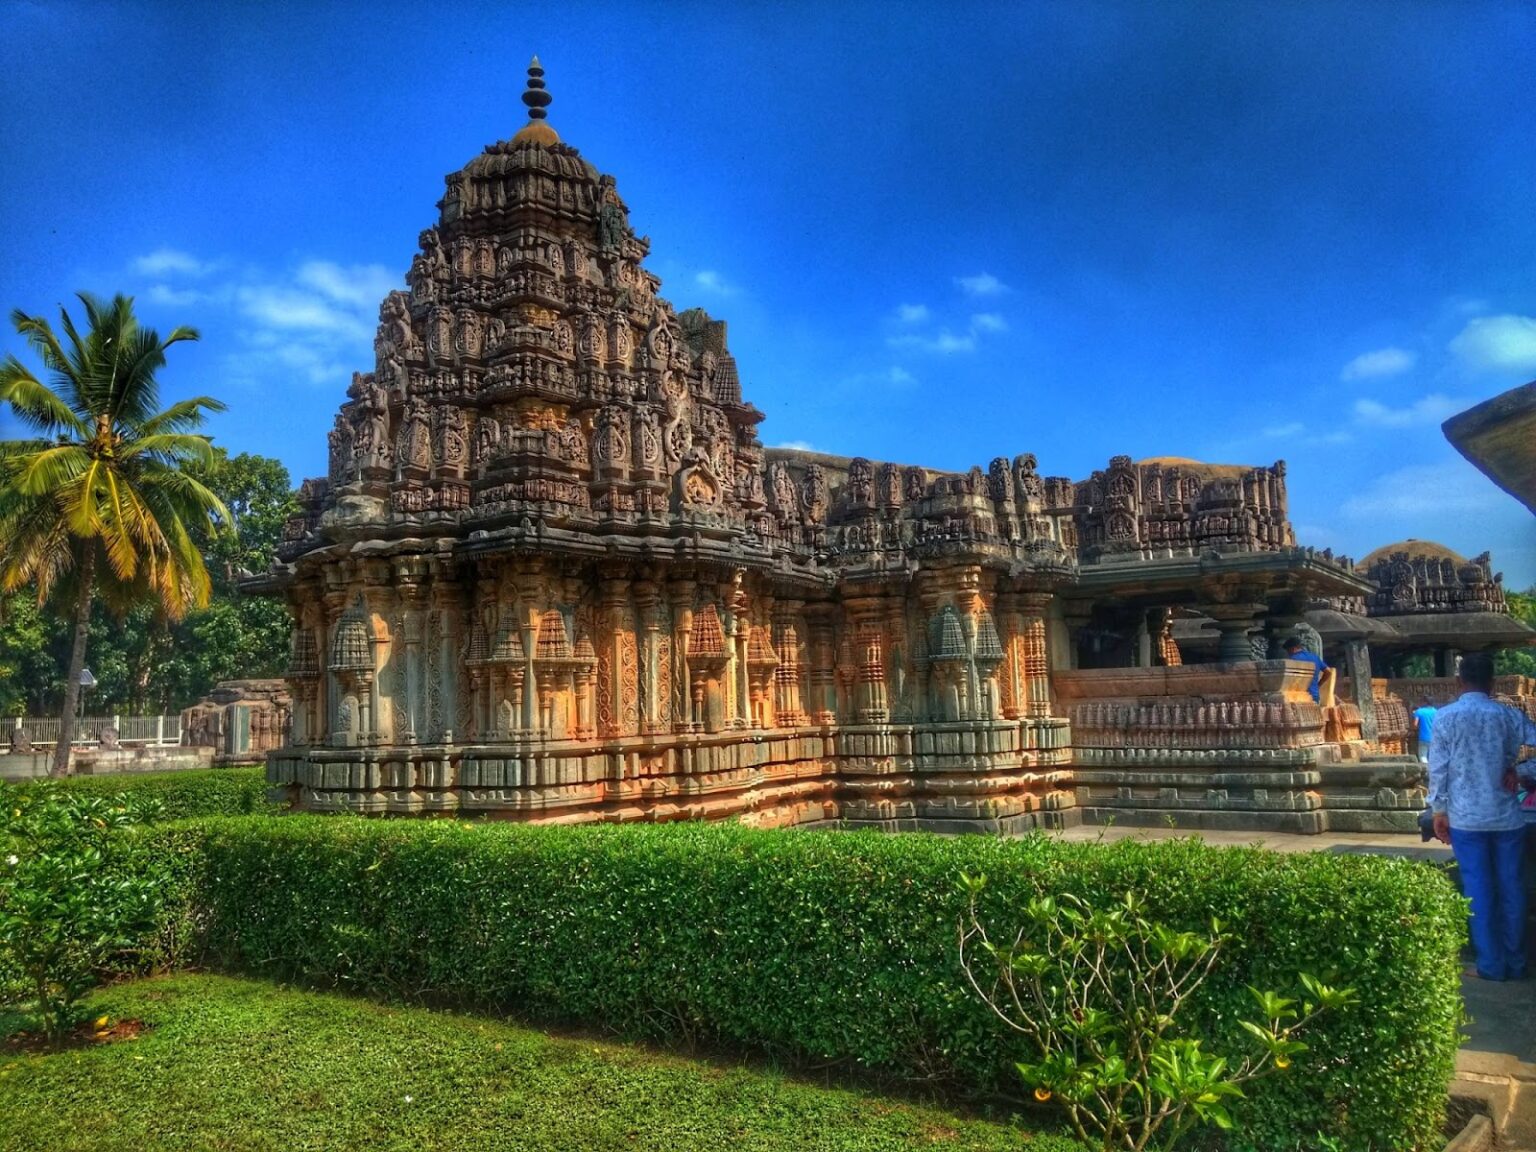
(1463, 630)
(1499, 437)
(1191, 579)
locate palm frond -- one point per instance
(49, 471)
(182, 416)
(34, 403)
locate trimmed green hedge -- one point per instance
(198, 792)
(826, 948)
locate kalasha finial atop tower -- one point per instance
(536, 131)
(536, 97)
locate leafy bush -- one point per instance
(66, 912)
(178, 795)
(833, 949)
(1098, 992)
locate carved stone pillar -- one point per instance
(1357, 662)
(653, 673)
(786, 677)
(823, 704)
(1037, 680)
(733, 682)
(865, 617)
(610, 657)
(443, 706)
(1235, 622)
(406, 652)
(1010, 677)
(680, 599)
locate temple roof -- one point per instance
(1194, 467)
(1497, 436)
(1413, 548)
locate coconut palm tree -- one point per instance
(99, 502)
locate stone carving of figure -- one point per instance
(592, 341)
(452, 449)
(751, 484)
(861, 483)
(431, 266)
(781, 486)
(890, 485)
(647, 437)
(612, 230)
(1000, 481)
(414, 447)
(1027, 483)
(340, 439)
(813, 492)
(916, 484)
(611, 445)
(661, 344)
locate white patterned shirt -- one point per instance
(1477, 740)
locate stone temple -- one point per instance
(554, 574)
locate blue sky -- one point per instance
(1233, 231)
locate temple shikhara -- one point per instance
(554, 574)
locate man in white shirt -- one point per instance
(1472, 792)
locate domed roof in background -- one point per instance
(1194, 467)
(1427, 549)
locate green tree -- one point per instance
(105, 505)
(1519, 661)
(29, 673)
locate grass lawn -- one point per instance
(239, 1064)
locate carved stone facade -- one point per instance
(240, 720)
(554, 574)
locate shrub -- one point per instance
(1098, 992)
(179, 795)
(67, 911)
(834, 949)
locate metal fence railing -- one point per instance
(130, 729)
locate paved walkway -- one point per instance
(1497, 1062)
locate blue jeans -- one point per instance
(1490, 878)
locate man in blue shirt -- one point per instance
(1295, 651)
(1472, 794)
(1424, 718)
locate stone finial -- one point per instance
(536, 97)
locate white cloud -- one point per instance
(1503, 343)
(170, 262)
(1430, 409)
(711, 281)
(945, 343)
(175, 297)
(312, 322)
(797, 446)
(360, 286)
(893, 377)
(1284, 431)
(1424, 489)
(981, 284)
(911, 313)
(1382, 362)
(279, 306)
